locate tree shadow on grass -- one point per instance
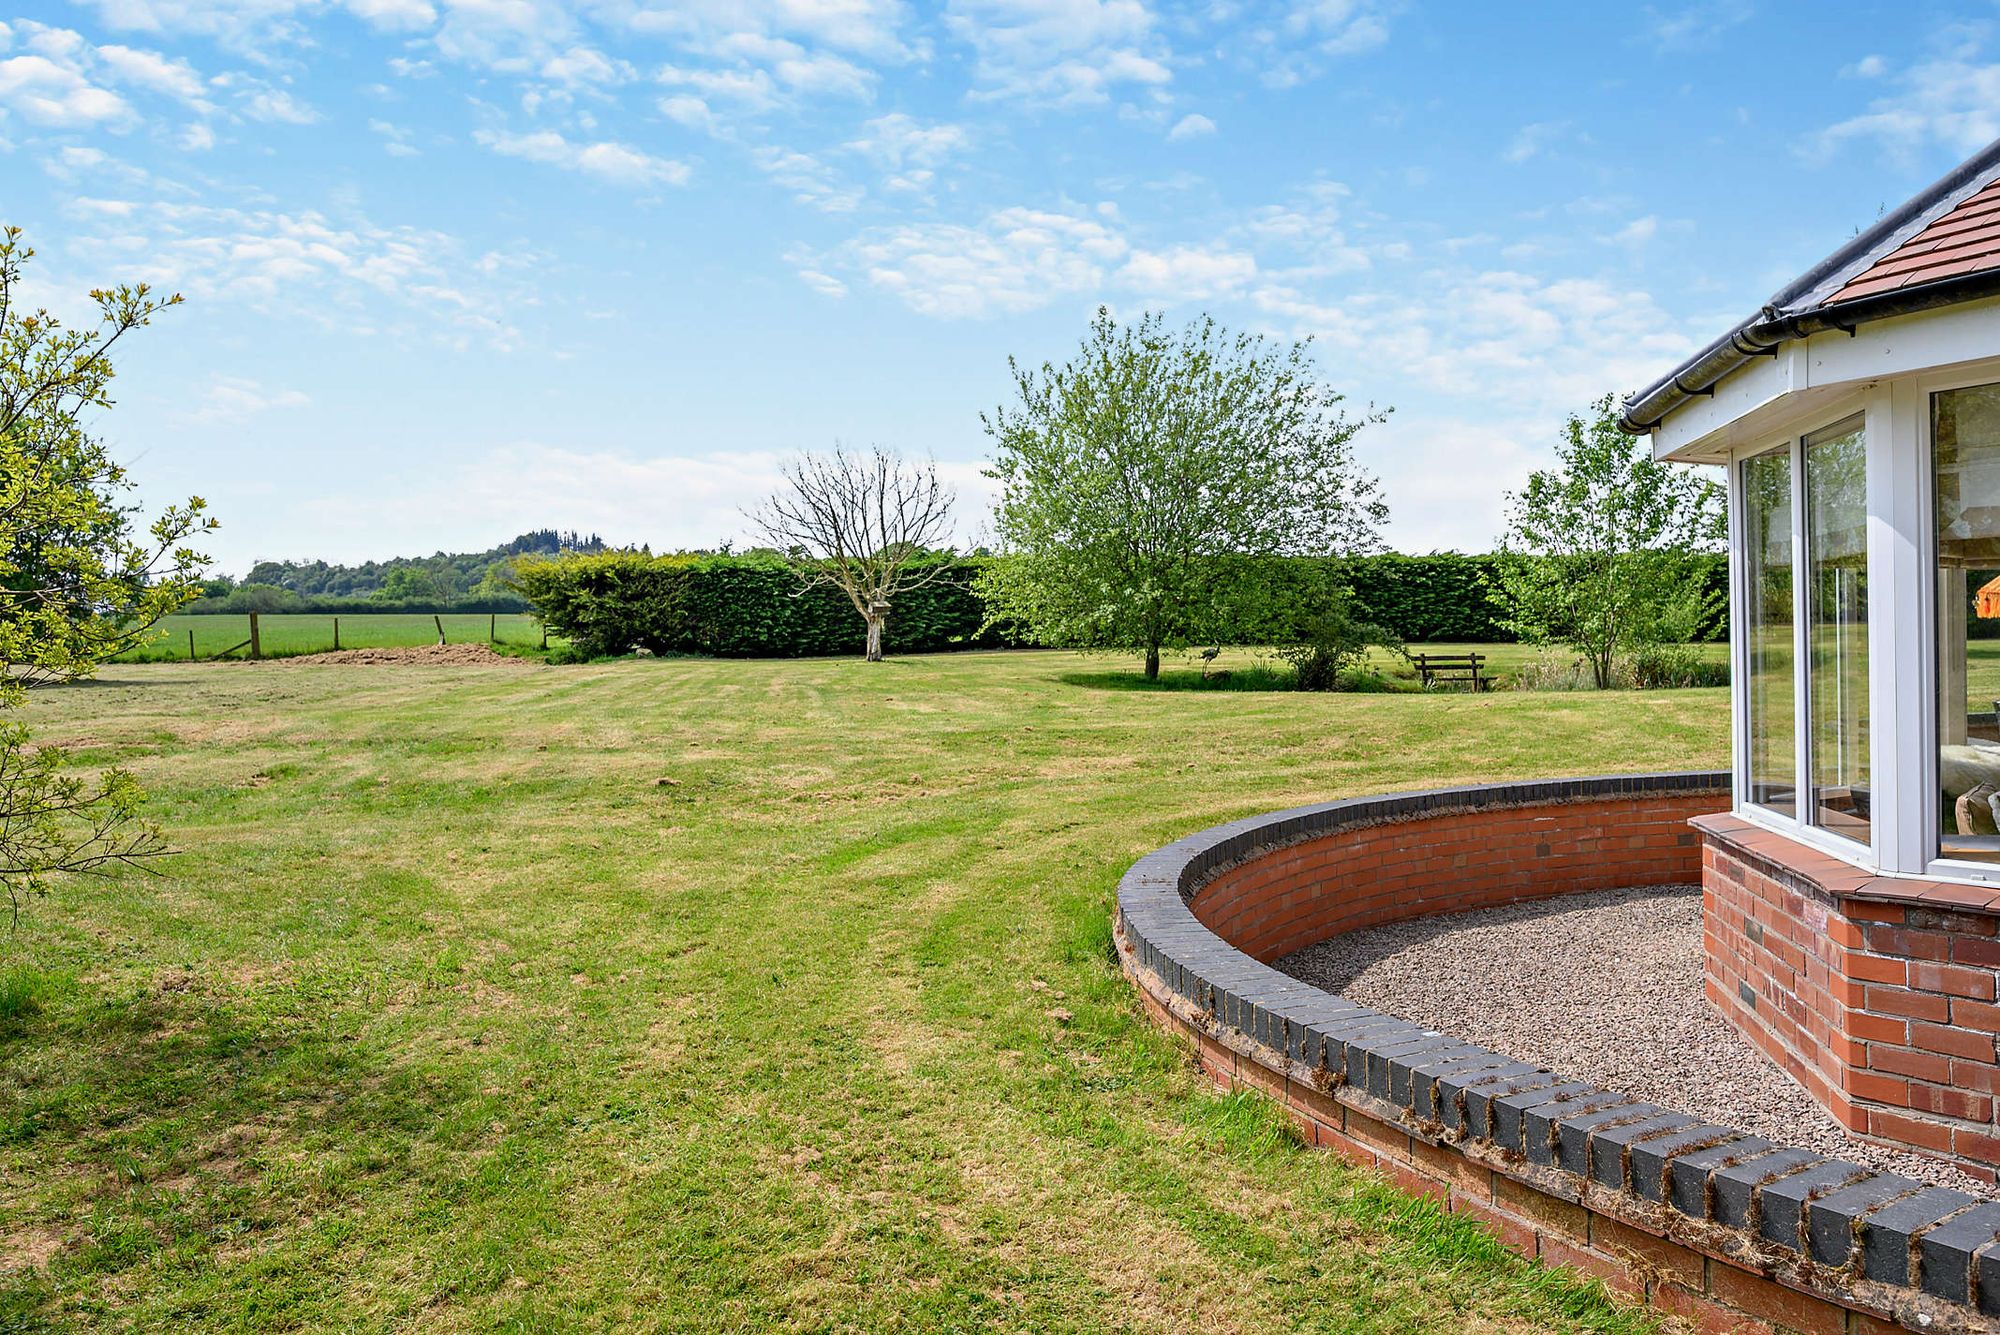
(174, 1125)
(1235, 679)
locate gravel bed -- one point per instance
(1604, 987)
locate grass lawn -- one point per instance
(698, 995)
(282, 634)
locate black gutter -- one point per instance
(1784, 317)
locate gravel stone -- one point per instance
(1604, 987)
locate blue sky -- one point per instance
(458, 268)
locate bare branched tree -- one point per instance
(858, 522)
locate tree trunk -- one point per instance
(875, 638)
(1152, 662)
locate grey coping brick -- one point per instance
(1689, 1175)
(1736, 1185)
(1574, 1133)
(1608, 1147)
(1407, 1088)
(1986, 1280)
(1649, 1158)
(1782, 1203)
(1539, 1120)
(1944, 1253)
(1382, 1059)
(1886, 1233)
(1429, 1078)
(1463, 1097)
(1492, 1104)
(1833, 1220)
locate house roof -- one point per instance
(1939, 248)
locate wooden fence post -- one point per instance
(190, 646)
(545, 635)
(438, 621)
(256, 644)
(493, 627)
(336, 634)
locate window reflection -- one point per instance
(1837, 626)
(1767, 528)
(1965, 463)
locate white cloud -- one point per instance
(1293, 46)
(394, 15)
(276, 106)
(507, 36)
(810, 180)
(871, 29)
(360, 277)
(153, 71)
(1187, 273)
(1693, 26)
(1868, 67)
(1190, 127)
(1637, 232)
(395, 139)
(1533, 140)
(619, 164)
(585, 65)
(1016, 260)
(232, 399)
(1061, 53)
(897, 141)
(1953, 101)
(49, 93)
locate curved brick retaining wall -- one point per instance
(1733, 1231)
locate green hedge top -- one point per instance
(755, 606)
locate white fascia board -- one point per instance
(1757, 399)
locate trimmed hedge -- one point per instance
(753, 606)
(750, 606)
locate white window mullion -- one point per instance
(1739, 636)
(1899, 634)
(1801, 641)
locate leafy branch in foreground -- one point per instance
(77, 585)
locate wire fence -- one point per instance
(203, 638)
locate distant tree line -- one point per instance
(445, 582)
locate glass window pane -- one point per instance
(1767, 535)
(1965, 464)
(1837, 626)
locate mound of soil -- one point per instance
(422, 655)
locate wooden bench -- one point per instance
(1450, 667)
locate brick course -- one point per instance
(1875, 993)
(1726, 1230)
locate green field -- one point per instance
(284, 634)
(688, 995)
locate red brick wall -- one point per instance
(1877, 995)
(1293, 897)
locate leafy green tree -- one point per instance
(1605, 553)
(1134, 478)
(77, 584)
(430, 585)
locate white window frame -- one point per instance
(1792, 440)
(1920, 751)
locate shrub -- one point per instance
(1333, 639)
(1653, 667)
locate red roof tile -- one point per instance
(1964, 240)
